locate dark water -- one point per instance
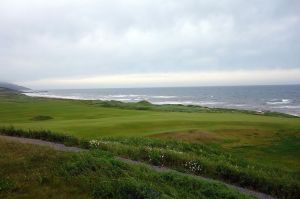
(284, 99)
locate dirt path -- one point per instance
(165, 169)
(62, 147)
(55, 146)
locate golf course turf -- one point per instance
(267, 142)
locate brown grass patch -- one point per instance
(249, 137)
(191, 135)
(226, 137)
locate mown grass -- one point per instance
(28, 171)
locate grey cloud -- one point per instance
(49, 39)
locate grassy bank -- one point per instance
(29, 171)
(198, 159)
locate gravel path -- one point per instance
(62, 147)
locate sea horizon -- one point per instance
(276, 98)
(146, 87)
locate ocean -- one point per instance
(285, 99)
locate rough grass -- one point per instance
(195, 158)
(29, 171)
(207, 161)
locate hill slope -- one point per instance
(13, 87)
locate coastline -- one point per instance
(44, 94)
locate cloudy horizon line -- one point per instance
(173, 79)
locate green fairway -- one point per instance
(276, 138)
(85, 120)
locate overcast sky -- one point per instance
(135, 43)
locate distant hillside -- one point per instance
(13, 87)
